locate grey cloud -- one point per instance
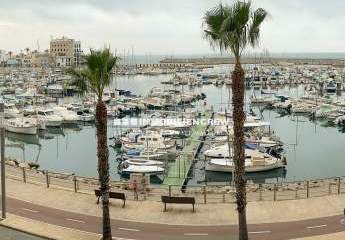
(162, 26)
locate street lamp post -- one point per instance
(3, 183)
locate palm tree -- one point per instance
(94, 78)
(233, 28)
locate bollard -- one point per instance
(204, 191)
(75, 184)
(307, 189)
(275, 192)
(169, 190)
(339, 182)
(47, 179)
(24, 175)
(223, 197)
(260, 192)
(296, 193)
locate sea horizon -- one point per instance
(155, 58)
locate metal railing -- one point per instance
(203, 194)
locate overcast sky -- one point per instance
(166, 26)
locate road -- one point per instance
(128, 230)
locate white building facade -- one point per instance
(66, 52)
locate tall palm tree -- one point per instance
(94, 78)
(233, 28)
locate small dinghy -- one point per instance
(151, 170)
(143, 162)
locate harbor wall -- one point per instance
(246, 60)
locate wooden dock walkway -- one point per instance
(178, 173)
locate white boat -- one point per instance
(152, 170)
(222, 151)
(10, 110)
(262, 100)
(107, 96)
(49, 117)
(325, 110)
(265, 142)
(143, 162)
(283, 105)
(31, 113)
(151, 141)
(257, 80)
(258, 162)
(330, 86)
(40, 123)
(55, 90)
(67, 115)
(157, 155)
(85, 116)
(170, 133)
(21, 125)
(301, 108)
(340, 120)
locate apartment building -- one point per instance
(66, 52)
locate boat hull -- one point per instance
(53, 124)
(150, 170)
(248, 169)
(22, 130)
(85, 118)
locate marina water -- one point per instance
(312, 148)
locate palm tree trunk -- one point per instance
(103, 165)
(239, 118)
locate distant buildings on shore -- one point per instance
(62, 52)
(65, 51)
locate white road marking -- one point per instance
(260, 232)
(196, 234)
(318, 226)
(74, 220)
(130, 229)
(118, 238)
(30, 210)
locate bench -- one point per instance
(177, 200)
(115, 195)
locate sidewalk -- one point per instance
(7, 233)
(150, 211)
(335, 236)
(45, 230)
(206, 214)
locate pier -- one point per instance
(178, 173)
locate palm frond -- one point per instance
(79, 80)
(212, 22)
(98, 72)
(233, 27)
(254, 31)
